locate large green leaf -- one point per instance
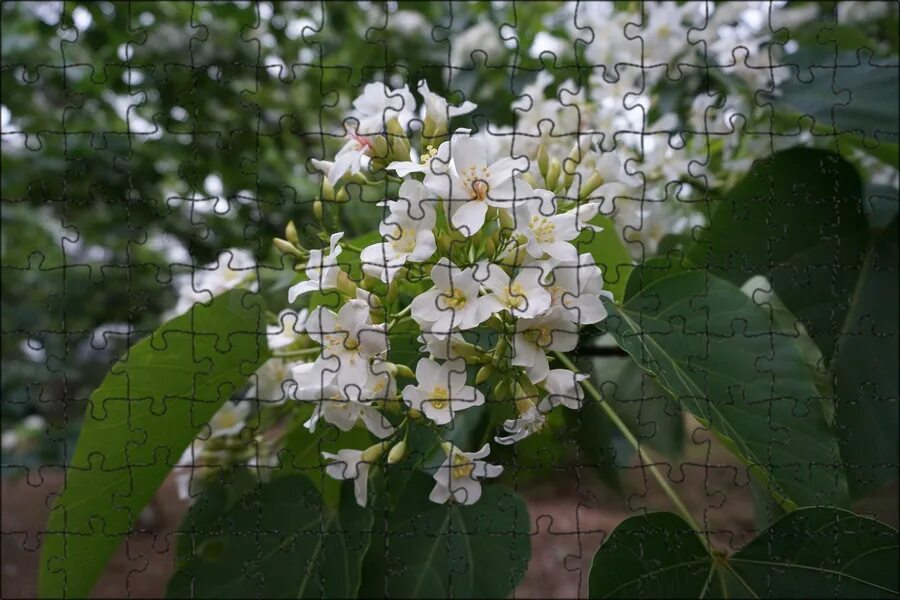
(427, 550)
(145, 413)
(278, 541)
(720, 356)
(810, 553)
(854, 100)
(797, 219)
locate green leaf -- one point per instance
(850, 97)
(798, 220)
(719, 355)
(609, 253)
(428, 550)
(278, 541)
(145, 413)
(810, 553)
(650, 556)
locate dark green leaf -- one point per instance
(810, 553)
(278, 541)
(651, 556)
(719, 355)
(798, 219)
(148, 409)
(449, 551)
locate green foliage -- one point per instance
(835, 274)
(743, 379)
(154, 401)
(278, 541)
(427, 550)
(658, 556)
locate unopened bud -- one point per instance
(318, 210)
(490, 245)
(342, 196)
(414, 414)
(381, 146)
(327, 190)
(500, 392)
(290, 232)
(447, 447)
(588, 187)
(543, 161)
(285, 247)
(506, 220)
(406, 372)
(373, 453)
(345, 285)
(484, 374)
(529, 179)
(397, 453)
(500, 349)
(552, 177)
(443, 243)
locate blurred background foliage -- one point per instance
(139, 138)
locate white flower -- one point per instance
(349, 464)
(452, 304)
(353, 156)
(548, 232)
(434, 161)
(444, 347)
(470, 185)
(321, 271)
(348, 339)
(441, 391)
(527, 423)
(407, 232)
(342, 407)
(575, 287)
(458, 476)
(563, 388)
(438, 109)
(521, 297)
(233, 267)
(548, 332)
(271, 378)
(378, 104)
(291, 325)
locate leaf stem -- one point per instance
(642, 453)
(304, 352)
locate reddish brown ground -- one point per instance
(571, 518)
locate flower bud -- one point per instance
(506, 220)
(318, 210)
(345, 285)
(397, 453)
(552, 177)
(447, 447)
(444, 243)
(543, 161)
(373, 453)
(588, 187)
(405, 372)
(342, 196)
(484, 374)
(290, 232)
(327, 190)
(414, 414)
(529, 179)
(380, 144)
(500, 392)
(285, 247)
(500, 349)
(490, 245)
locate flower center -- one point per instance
(541, 336)
(462, 466)
(543, 228)
(475, 179)
(430, 153)
(440, 397)
(515, 296)
(406, 243)
(455, 299)
(362, 142)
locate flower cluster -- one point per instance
(478, 254)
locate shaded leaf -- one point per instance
(148, 409)
(278, 541)
(718, 354)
